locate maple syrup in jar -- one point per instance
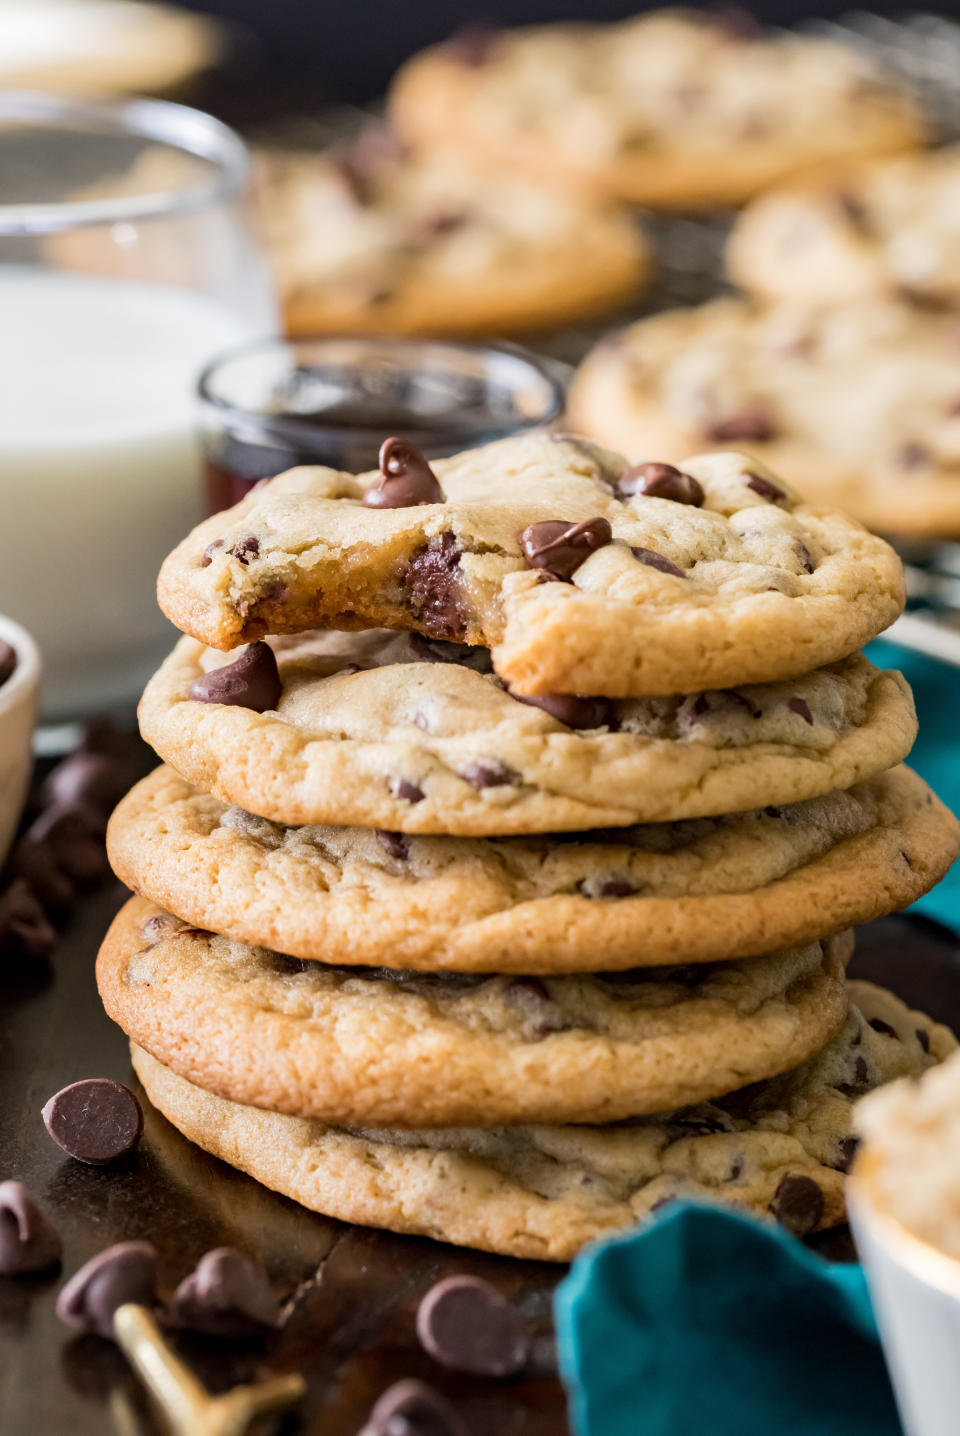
(272, 405)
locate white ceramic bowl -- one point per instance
(916, 1297)
(18, 705)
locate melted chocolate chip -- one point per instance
(226, 1295)
(660, 481)
(531, 998)
(767, 490)
(207, 557)
(747, 423)
(559, 547)
(408, 792)
(246, 548)
(28, 1242)
(410, 1408)
(250, 681)
(95, 1121)
(798, 1204)
(122, 1273)
(846, 1151)
(571, 709)
(466, 1325)
(394, 843)
(433, 585)
(804, 555)
(612, 885)
(878, 1025)
(437, 650)
(406, 479)
(736, 1170)
(923, 1037)
(656, 560)
(488, 773)
(8, 661)
(802, 709)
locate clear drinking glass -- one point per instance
(126, 262)
(333, 401)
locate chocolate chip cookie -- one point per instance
(391, 731)
(381, 1045)
(677, 109)
(370, 237)
(886, 229)
(555, 553)
(858, 405)
(778, 1148)
(688, 892)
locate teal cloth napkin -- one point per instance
(706, 1323)
(936, 757)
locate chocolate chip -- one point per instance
(488, 773)
(438, 650)
(28, 1242)
(432, 580)
(699, 1124)
(846, 1151)
(767, 490)
(60, 852)
(192, 932)
(656, 560)
(804, 555)
(96, 1121)
(226, 1295)
(878, 1025)
(8, 661)
(747, 423)
(611, 885)
(861, 1073)
(569, 708)
(24, 926)
(923, 1037)
(122, 1273)
(736, 1169)
(410, 1408)
(559, 547)
(406, 479)
(246, 548)
(406, 791)
(88, 779)
(798, 1204)
(660, 481)
(466, 1325)
(913, 456)
(394, 843)
(250, 681)
(207, 557)
(531, 998)
(473, 44)
(435, 226)
(802, 709)
(160, 923)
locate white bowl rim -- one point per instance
(26, 675)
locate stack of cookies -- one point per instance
(500, 888)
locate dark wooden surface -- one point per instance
(353, 1293)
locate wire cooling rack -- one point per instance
(921, 49)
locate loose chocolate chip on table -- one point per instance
(411, 1408)
(246, 548)
(122, 1273)
(250, 681)
(8, 661)
(394, 843)
(92, 780)
(797, 1204)
(28, 1243)
(878, 1025)
(656, 560)
(406, 479)
(464, 1323)
(559, 547)
(744, 424)
(572, 709)
(660, 481)
(488, 773)
(226, 1295)
(802, 709)
(24, 926)
(62, 850)
(432, 581)
(771, 492)
(96, 1121)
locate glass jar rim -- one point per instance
(290, 426)
(176, 126)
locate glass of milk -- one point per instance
(126, 263)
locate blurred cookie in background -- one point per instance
(675, 109)
(888, 228)
(367, 238)
(858, 406)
